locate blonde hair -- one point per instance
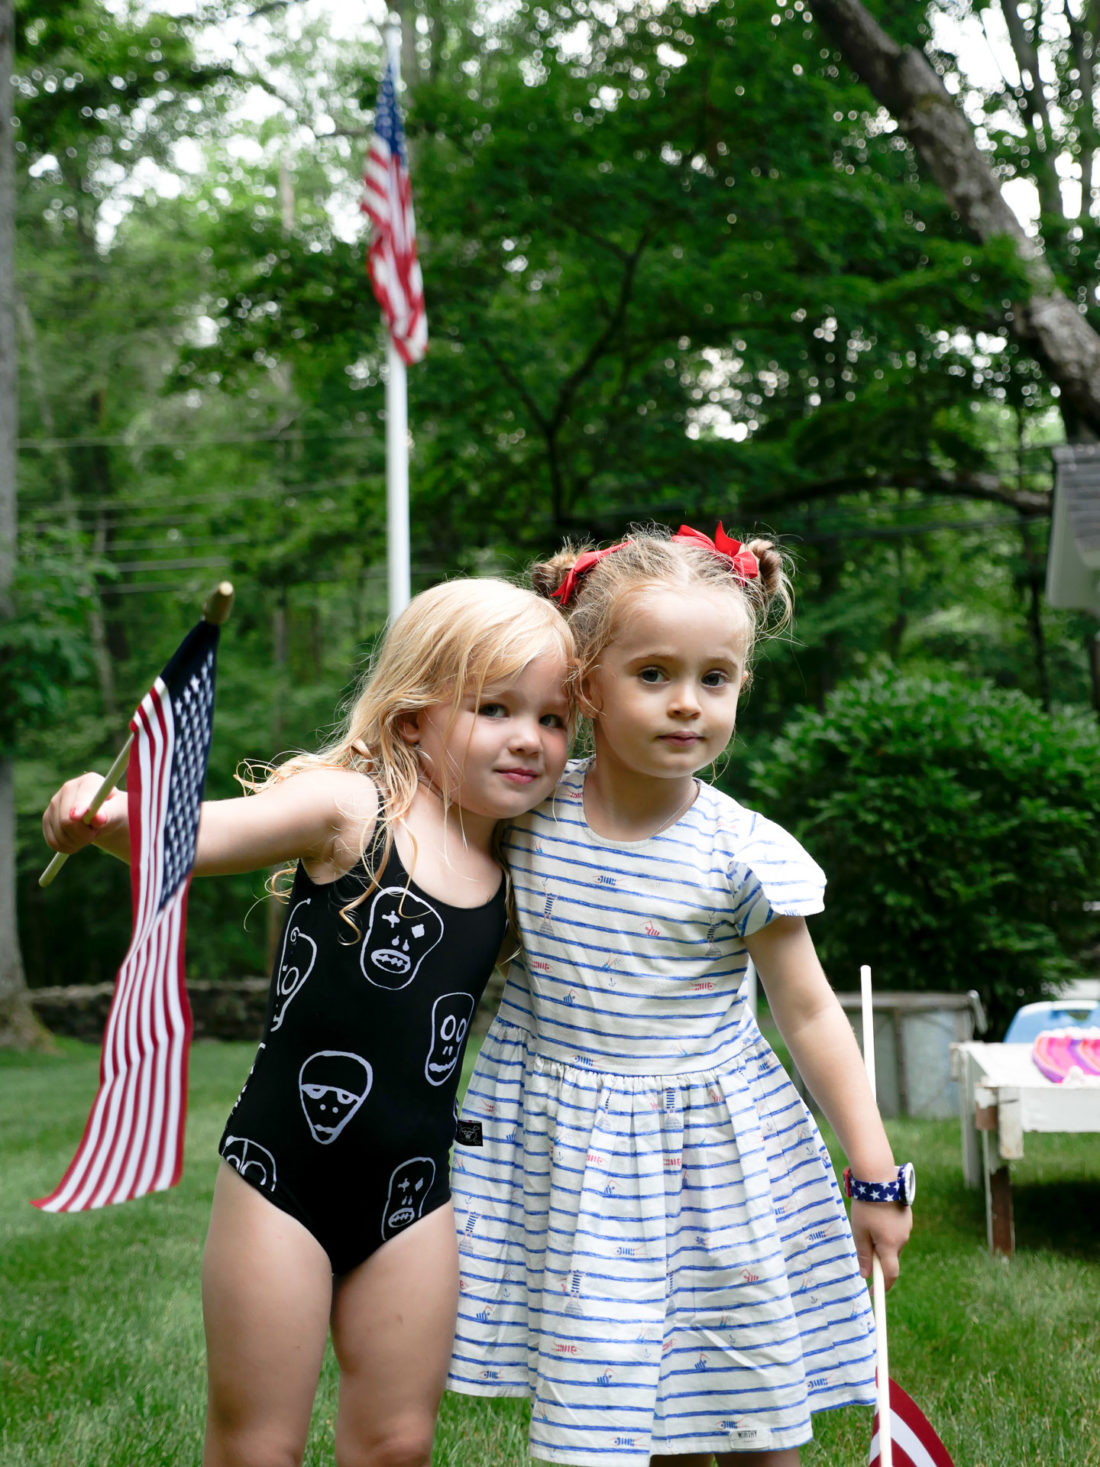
(450, 641)
(651, 558)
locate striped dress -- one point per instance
(653, 1246)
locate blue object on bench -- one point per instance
(1033, 1018)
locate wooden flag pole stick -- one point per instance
(216, 611)
(219, 604)
(878, 1283)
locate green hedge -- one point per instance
(958, 825)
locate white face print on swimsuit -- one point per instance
(451, 1015)
(293, 967)
(254, 1162)
(332, 1085)
(401, 932)
(409, 1188)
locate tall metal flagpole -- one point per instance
(397, 422)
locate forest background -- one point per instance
(680, 265)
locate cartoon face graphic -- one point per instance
(295, 964)
(254, 1162)
(451, 1017)
(409, 1187)
(332, 1085)
(402, 930)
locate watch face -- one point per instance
(907, 1178)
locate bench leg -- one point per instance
(1000, 1233)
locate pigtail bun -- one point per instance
(547, 575)
(773, 587)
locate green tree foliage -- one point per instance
(957, 825)
(677, 266)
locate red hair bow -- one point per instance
(581, 566)
(745, 565)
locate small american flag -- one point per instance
(387, 201)
(133, 1141)
(913, 1441)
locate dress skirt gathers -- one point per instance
(653, 1246)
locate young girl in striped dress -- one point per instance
(653, 1246)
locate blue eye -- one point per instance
(552, 720)
(715, 679)
(492, 710)
(651, 675)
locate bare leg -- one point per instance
(266, 1297)
(393, 1322)
(784, 1457)
(787, 1457)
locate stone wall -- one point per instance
(219, 1010)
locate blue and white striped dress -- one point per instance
(653, 1246)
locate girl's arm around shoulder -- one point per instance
(823, 1045)
(323, 817)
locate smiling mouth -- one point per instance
(390, 962)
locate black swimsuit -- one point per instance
(348, 1114)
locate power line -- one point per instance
(164, 588)
(273, 436)
(854, 532)
(227, 496)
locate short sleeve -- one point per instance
(771, 875)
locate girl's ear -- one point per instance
(586, 699)
(408, 727)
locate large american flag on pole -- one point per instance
(913, 1441)
(133, 1141)
(387, 201)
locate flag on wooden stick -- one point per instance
(133, 1141)
(914, 1443)
(392, 261)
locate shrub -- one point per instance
(957, 824)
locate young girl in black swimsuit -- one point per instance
(332, 1206)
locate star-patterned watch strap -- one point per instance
(899, 1190)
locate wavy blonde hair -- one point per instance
(449, 643)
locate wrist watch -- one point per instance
(902, 1190)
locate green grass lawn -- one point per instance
(101, 1352)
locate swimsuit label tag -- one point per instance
(469, 1133)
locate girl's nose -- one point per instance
(525, 734)
(684, 701)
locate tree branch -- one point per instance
(986, 487)
(904, 82)
(256, 79)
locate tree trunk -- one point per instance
(18, 1026)
(903, 81)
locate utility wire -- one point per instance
(852, 532)
(271, 435)
(275, 436)
(228, 496)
